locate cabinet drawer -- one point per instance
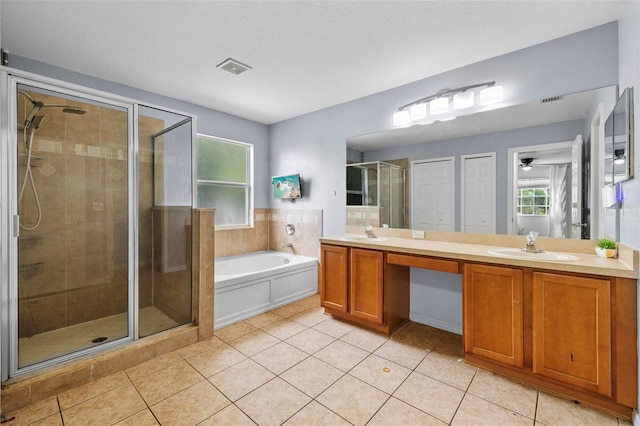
(451, 266)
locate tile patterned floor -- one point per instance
(297, 366)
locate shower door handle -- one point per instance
(16, 225)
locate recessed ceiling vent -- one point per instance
(551, 99)
(233, 66)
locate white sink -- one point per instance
(546, 256)
(360, 238)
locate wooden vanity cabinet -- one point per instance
(572, 330)
(357, 286)
(493, 313)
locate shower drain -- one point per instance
(99, 339)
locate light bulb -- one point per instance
(400, 118)
(439, 106)
(418, 111)
(463, 100)
(491, 95)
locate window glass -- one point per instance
(533, 201)
(224, 180)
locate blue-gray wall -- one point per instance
(314, 144)
(210, 122)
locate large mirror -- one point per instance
(562, 138)
(619, 143)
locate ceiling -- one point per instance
(305, 55)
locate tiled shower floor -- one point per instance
(298, 366)
(77, 337)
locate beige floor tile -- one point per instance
(263, 320)
(108, 408)
(491, 414)
(231, 415)
(554, 411)
(199, 347)
(167, 382)
(240, 379)
(280, 357)
(233, 331)
(284, 329)
(315, 414)
(34, 412)
(396, 412)
(190, 406)
(310, 317)
(52, 420)
(149, 367)
(254, 342)
(217, 359)
(504, 392)
(419, 336)
(273, 403)
(447, 368)
(353, 399)
(334, 328)
(341, 355)
(82, 393)
(450, 344)
(143, 418)
(290, 310)
(310, 340)
(364, 339)
(312, 376)
(401, 353)
(431, 396)
(381, 373)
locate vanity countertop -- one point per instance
(624, 267)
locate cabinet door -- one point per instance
(367, 269)
(334, 271)
(572, 330)
(492, 309)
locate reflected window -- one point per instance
(533, 201)
(224, 180)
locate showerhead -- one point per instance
(73, 110)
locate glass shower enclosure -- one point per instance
(375, 194)
(99, 239)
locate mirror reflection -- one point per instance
(562, 137)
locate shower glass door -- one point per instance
(72, 193)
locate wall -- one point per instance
(210, 122)
(314, 144)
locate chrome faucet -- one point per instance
(369, 231)
(287, 245)
(531, 246)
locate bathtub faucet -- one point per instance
(287, 245)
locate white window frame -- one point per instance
(519, 205)
(248, 223)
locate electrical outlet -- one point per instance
(417, 234)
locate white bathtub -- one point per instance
(254, 283)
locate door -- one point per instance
(493, 314)
(334, 272)
(577, 223)
(432, 195)
(366, 285)
(479, 194)
(572, 330)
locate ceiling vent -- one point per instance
(551, 99)
(233, 66)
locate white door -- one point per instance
(479, 193)
(432, 194)
(576, 188)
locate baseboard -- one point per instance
(436, 323)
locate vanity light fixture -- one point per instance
(526, 164)
(619, 157)
(463, 97)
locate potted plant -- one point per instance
(606, 248)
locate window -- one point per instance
(533, 201)
(225, 180)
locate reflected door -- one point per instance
(433, 184)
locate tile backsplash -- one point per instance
(268, 233)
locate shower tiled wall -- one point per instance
(73, 267)
(269, 233)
